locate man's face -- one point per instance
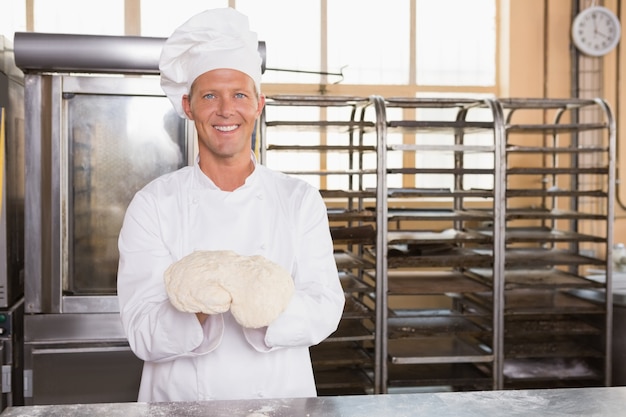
(224, 106)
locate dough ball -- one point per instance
(260, 291)
(193, 283)
(255, 289)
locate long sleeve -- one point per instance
(156, 331)
(317, 305)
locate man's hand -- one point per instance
(202, 317)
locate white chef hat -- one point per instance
(216, 38)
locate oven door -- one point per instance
(78, 358)
(93, 142)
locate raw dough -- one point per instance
(193, 286)
(256, 289)
(261, 290)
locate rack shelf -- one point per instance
(344, 128)
(465, 230)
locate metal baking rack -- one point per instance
(461, 269)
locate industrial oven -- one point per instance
(98, 128)
(11, 226)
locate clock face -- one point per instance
(596, 31)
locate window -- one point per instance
(291, 31)
(12, 17)
(79, 17)
(456, 42)
(371, 43)
(159, 18)
(370, 39)
(454, 56)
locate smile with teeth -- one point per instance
(226, 128)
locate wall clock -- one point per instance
(596, 31)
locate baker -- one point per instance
(211, 70)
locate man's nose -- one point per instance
(225, 107)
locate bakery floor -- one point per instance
(588, 402)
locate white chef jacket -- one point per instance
(274, 215)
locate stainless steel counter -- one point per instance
(588, 402)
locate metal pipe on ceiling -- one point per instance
(91, 53)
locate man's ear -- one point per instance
(187, 106)
(261, 104)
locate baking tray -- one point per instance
(337, 126)
(350, 330)
(370, 193)
(417, 239)
(598, 295)
(432, 323)
(356, 234)
(540, 302)
(339, 354)
(354, 309)
(347, 260)
(535, 258)
(541, 234)
(549, 327)
(549, 214)
(461, 376)
(554, 192)
(550, 369)
(449, 257)
(438, 192)
(399, 213)
(352, 284)
(351, 380)
(537, 278)
(340, 214)
(552, 349)
(404, 282)
(444, 349)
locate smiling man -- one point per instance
(211, 71)
(224, 105)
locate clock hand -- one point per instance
(601, 34)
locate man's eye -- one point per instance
(209, 96)
(240, 95)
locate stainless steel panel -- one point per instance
(58, 328)
(84, 373)
(78, 358)
(35, 240)
(92, 53)
(67, 52)
(123, 86)
(590, 402)
(90, 304)
(42, 198)
(12, 184)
